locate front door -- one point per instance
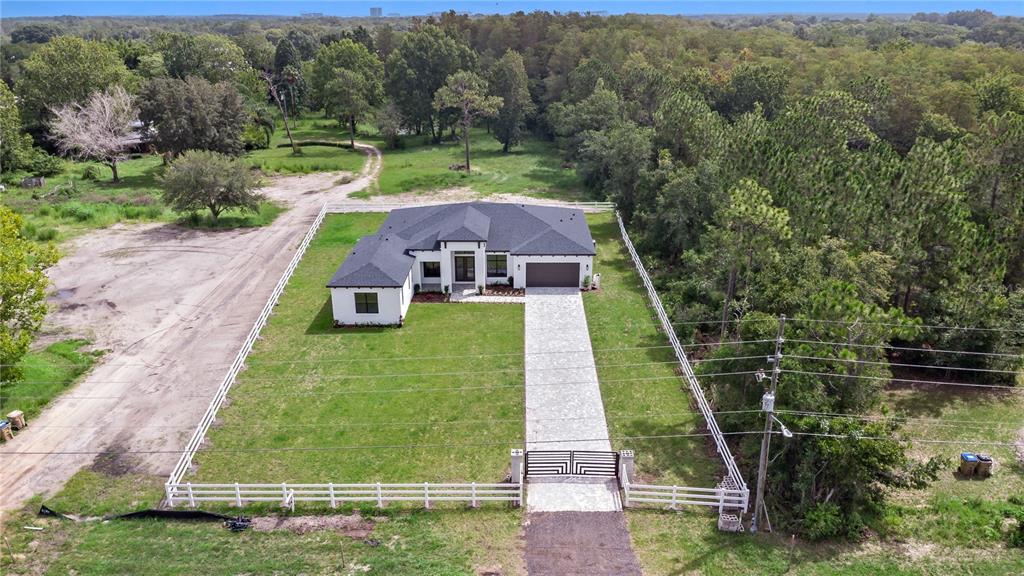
(465, 268)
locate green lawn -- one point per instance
(46, 374)
(534, 168)
(331, 391)
(446, 543)
(956, 511)
(642, 396)
(671, 543)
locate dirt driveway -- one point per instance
(172, 305)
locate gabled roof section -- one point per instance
(549, 242)
(375, 261)
(466, 224)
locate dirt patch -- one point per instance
(354, 526)
(579, 544)
(115, 463)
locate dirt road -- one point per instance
(172, 305)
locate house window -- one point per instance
(431, 269)
(366, 303)
(497, 265)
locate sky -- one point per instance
(14, 8)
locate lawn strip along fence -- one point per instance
(733, 483)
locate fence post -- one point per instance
(380, 497)
(675, 495)
(426, 495)
(169, 494)
(330, 487)
(191, 496)
(517, 473)
(627, 467)
(472, 503)
(238, 495)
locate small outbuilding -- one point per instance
(456, 247)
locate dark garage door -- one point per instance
(553, 274)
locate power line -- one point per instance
(911, 440)
(891, 324)
(334, 377)
(403, 390)
(908, 348)
(607, 416)
(905, 365)
(410, 358)
(905, 380)
(377, 446)
(940, 422)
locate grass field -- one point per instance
(641, 392)
(533, 168)
(322, 392)
(70, 204)
(402, 543)
(46, 374)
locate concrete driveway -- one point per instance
(563, 400)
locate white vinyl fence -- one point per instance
(734, 479)
(287, 494)
(229, 379)
(374, 206)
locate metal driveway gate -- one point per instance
(572, 463)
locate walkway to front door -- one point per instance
(563, 401)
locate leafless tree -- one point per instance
(100, 129)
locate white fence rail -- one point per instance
(373, 206)
(721, 446)
(229, 379)
(675, 496)
(380, 494)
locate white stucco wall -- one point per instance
(417, 268)
(517, 266)
(391, 306)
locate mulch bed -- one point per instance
(429, 297)
(502, 290)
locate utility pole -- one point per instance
(768, 407)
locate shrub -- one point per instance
(44, 164)
(822, 521)
(77, 211)
(92, 173)
(46, 234)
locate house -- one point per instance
(453, 247)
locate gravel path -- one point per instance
(563, 400)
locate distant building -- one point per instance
(376, 12)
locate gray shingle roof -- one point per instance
(382, 260)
